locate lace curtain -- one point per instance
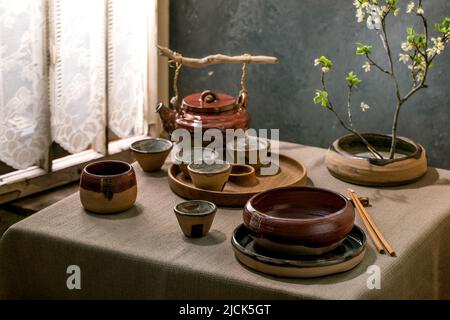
(128, 66)
(69, 102)
(78, 72)
(24, 116)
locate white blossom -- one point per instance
(420, 11)
(397, 12)
(366, 66)
(420, 75)
(325, 69)
(410, 7)
(407, 46)
(364, 106)
(431, 52)
(438, 45)
(316, 62)
(360, 15)
(374, 19)
(403, 57)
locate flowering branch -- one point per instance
(322, 97)
(416, 49)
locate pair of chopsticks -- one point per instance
(378, 239)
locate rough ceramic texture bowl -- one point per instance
(210, 176)
(250, 150)
(194, 155)
(195, 217)
(243, 175)
(348, 159)
(302, 216)
(151, 153)
(108, 187)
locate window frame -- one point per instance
(52, 173)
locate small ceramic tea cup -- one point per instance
(151, 153)
(108, 186)
(249, 150)
(184, 158)
(243, 175)
(210, 176)
(195, 217)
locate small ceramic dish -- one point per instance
(108, 186)
(194, 155)
(302, 216)
(343, 258)
(151, 153)
(195, 217)
(250, 150)
(243, 175)
(210, 176)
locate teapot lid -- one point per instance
(209, 101)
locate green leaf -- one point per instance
(352, 80)
(363, 49)
(410, 31)
(325, 62)
(444, 27)
(321, 97)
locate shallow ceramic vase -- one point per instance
(108, 187)
(348, 159)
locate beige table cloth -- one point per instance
(142, 253)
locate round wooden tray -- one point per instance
(291, 172)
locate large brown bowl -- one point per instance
(304, 216)
(108, 187)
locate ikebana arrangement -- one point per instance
(378, 159)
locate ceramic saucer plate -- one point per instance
(345, 257)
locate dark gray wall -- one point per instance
(297, 31)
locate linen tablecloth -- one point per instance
(142, 253)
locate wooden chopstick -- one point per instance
(376, 241)
(373, 228)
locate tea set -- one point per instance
(289, 231)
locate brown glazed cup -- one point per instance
(210, 176)
(195, 217)
(151, 153)
(243, 175)
(108, 187)
(301, 216)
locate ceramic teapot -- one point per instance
(211, 109)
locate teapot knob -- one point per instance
(208, 96)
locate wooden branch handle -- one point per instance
(215, 59)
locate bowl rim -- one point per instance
(250, 170)
(206, 213)
(85, 169)
(169, 145)
(178, 158)
(226, 168)
(253, 211)
(261, 144)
